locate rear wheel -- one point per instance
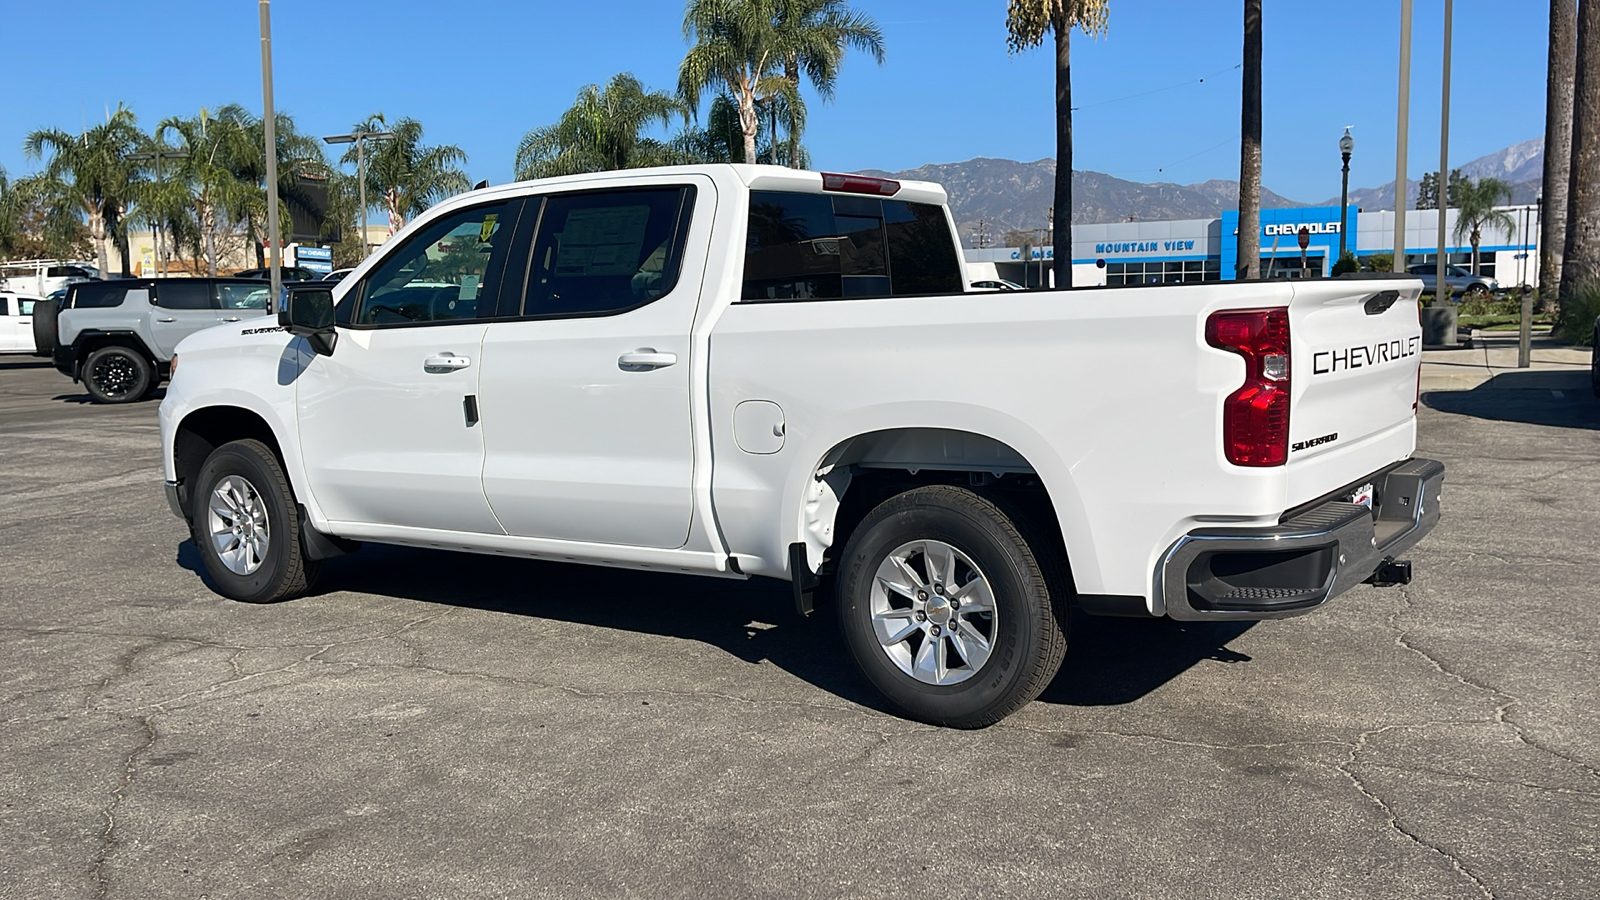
(947, 609)
(117, 374)
(1475, 292)
(245, 522)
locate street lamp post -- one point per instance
(1346, 145)
(359, 138)
(158, 155)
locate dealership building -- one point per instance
(1208, 249)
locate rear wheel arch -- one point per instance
(861, 472)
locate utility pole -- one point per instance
(1402, 133)
(1443, 206)
(270, 120)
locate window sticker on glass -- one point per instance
(488, 227)
(469, 288)
(602, 241)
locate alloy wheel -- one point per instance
(237, 522)
(933, 612)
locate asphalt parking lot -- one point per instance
(441, 725)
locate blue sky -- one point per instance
(480, 74)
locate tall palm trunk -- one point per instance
(1062, 245)
(1249, 263)
(749, 121)
(791, 71)
(97, 231)
(1557, 144)
(1580, 264)
(208, 227)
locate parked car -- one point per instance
(746, 371)
(290, 274)
(1461, 281)
(16, 322)
(117, 337)
(997, 284)
(337, 274)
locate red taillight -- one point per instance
(1255, 418)
(859, 184)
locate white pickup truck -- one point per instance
(745, 370)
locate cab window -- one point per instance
(442, 273)
(606, 252)
(195, 294)
(241, 296)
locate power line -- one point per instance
(1158, 90)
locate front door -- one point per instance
(387, 424)
(182, 307)
(11, 325)
(586, 398)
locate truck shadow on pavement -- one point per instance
(1558, 399)
(9, 364)
(1109, 661)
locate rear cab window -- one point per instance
(183, 294)
(605, 252)
(97, 295)
(802, 246)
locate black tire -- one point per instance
(1028, 629)
(1475, 292)
(118, 374)
(45, 327)
(284, 571)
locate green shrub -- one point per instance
(1346, 264)
(1378, 262)
(1510, 305)
(1578, 315)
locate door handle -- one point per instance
(166, 319)
(445, 362)
(644, 359)
(230, 318)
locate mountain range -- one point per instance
(1005, 195)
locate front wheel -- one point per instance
(1476, 293)
(245, 522)
(947, 609)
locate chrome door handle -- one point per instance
(644, 359)
(445, 362)
(231, 319)
(166, 319)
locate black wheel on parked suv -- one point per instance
(949, 609)
(118, 374)
(244, 521)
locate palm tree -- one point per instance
(208, 177)
(818, 33)
(91, 174)
(299, 156)
(1249, 264)
(10, 215)
(406, 175)
(720, 141)
(1559, 89)
(1475, 203)
(1027, 22)
(1580, 259)
(738, 45)
(602, 131)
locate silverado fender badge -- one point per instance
(1314, 442)
(262, 330)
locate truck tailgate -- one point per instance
(1357, 350)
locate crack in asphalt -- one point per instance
(108, 837)
(1402, 637)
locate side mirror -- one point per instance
(307, 311)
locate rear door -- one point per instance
(11, 326)
(585, 396)
(1357, 351)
